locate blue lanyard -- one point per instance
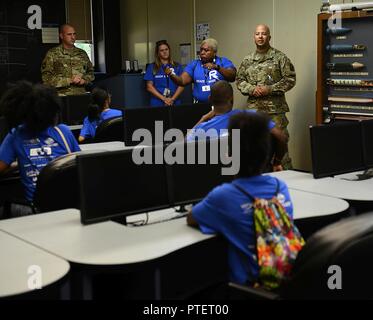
(167, 77)
(206, 71)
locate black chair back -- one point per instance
(340, 254)
(57, 187)
(110, 130)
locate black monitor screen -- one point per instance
(74, 108)
(185, 117)
(336, 149)
(192, 182)
(112, 185)
(3, 129)
(367, 133)
(144, 118)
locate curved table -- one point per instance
(17, 256)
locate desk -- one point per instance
(307, 205)
(103, 146)
(105, 244)
(332, 187)
(17, 256)
(109, 243)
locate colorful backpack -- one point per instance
(278, 240)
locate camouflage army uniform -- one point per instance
(61, 64)
(275, 70)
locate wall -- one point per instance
(146, 21)
(79, 15)
(293, 25)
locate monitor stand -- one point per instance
(181, 209)
(120, 220)
(366, 175)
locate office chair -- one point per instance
(340, 254)
(57, 187)
(110, 130)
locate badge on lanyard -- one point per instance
(206, 88)
(167, 93)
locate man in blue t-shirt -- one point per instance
(204, 72)
(215, 123)
(228, 211)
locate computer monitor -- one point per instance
(185, 117)
(190, 183)
(113, 186)
(75, 108)
(336, 149)
(367, 138)
(3, 129)
(144, 118)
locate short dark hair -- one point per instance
(254, 141)
(34, 105)
(221, 93)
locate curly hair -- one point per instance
(35, 105)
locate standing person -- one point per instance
(226, 210)
(164, 92)
(205, 71)
(265, 76)
(218, 119)
(66, 67)
(98, 111)
(35, 139)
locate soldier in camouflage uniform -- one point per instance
(264, 76)
(66, 67)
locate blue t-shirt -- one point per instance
(34, 153)
(88, 130)
(162, 82)
(219, 126)
(204, 79)
(227, 211)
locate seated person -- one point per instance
(226, 210)
(98, 111)
(222, 100)
(35, 139)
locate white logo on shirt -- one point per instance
(246, 207)
(46, 151)
(214, 75)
